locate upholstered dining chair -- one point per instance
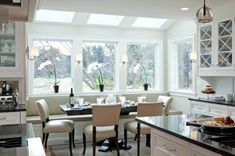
(54, 126)
(167, 100)
(143, 109)
(105, 120)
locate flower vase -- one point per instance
(146, 86)
(101, 88)
(56, 88)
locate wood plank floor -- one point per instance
(63, 150)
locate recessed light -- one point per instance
(184, 9)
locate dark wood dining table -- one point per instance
(106, 144)
(86, 109)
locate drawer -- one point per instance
(218, 110)
(199, 107)
(10, 118)
(164, 147)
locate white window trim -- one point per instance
(173, 63)
(121, 79)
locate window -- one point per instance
(98, 56)
(141, 65)
(182, 65)
(53, 63)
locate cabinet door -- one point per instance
(205, 46)
(224, 48)
(199, 151)
(12, 50)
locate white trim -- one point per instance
(182, 93)
(120, 69)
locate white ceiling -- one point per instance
(131, 9)
(169, 9)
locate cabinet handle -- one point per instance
(4, 118)
(171, 150)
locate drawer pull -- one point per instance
(165, 147)
(4, 118)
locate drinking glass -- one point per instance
(122, 99)
(99, 101)
(80, 101)
(140, 99)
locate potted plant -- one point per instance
(146, 84)
(56, 82)
(100, 80)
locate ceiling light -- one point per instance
(149, 22)
(184, 9)
(204, 14)
(54, 16)
(102, 19)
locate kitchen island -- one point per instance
(19, 140)
(171, 136)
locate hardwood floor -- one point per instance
(63, 150)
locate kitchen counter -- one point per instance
(227, 103)
(30, 146)
(175, 125)
(18, 108)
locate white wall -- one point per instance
(178, 30)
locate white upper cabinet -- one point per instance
(215, 46)
(12, 50)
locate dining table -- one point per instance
(107, 144)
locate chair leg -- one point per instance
(138, 139)
(46, 138)
(70, 143)
(94, 141)
(84, 144)
(125, 137)
(135, 137)
(73, 138)
(148, 140)
(43, 138)
(116, 140)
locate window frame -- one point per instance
(120, 84)
(173, 66)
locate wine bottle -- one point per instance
(71, 98)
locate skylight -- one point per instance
(149, 22)
(102, 19)
(54, 16)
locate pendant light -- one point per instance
(204, 14)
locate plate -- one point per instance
(205, 126)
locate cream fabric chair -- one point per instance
(54, 126)
(143, 109)
(167, 100)
(105, 120)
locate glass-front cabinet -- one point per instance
(7, 45)
(205, 46)
(215, 46)
(224, 41)
(12, 49)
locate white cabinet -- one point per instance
(163, 144)
(10, 118)
(215, 45)
(199, 151)
(210, 109)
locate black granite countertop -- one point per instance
(18, 108)
(176, 125)
(228, 103)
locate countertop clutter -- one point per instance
(176, 127)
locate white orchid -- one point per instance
(44, 64)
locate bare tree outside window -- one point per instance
(184, 48)
(52, 54)
(98, 56)
(141, 65)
